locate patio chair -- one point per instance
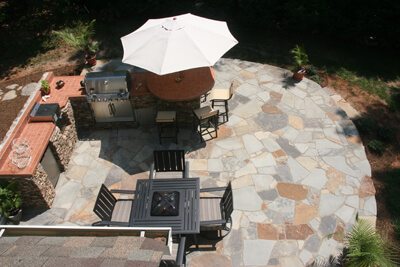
(222, 96)
(215, 212)
(169, 164)
(110, 210)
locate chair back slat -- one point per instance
(227, 201)
(169, 160)
(105, 204)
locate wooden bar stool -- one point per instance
(218, 96)
(205, 121)
(167, 125)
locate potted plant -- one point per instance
(10, 201)
(45, 87)
(300, 59)
(81, 37)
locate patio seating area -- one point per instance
(295, 161)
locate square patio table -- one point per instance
(185, 195)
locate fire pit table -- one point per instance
(167, 203)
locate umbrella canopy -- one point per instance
(178, 43)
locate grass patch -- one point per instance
(373, 86)
(392, 186)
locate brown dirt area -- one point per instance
(360, 100)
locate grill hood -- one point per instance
(107, 82)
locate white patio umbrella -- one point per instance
(177, 43)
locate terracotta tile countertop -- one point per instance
(38, 133)
(71, 89)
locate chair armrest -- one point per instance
(108, 223)
(202, 223)
(212, 189)
(180, 255)
(120, 191)
(187, 166)
(151, 175)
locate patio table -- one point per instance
(167, 203)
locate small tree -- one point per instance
(300, 58)
(81, 37)
(365, 247)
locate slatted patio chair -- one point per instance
(169, 164)
(215, 212)
(110, 210)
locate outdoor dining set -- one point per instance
(169, 198)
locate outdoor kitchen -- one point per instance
(98, 100)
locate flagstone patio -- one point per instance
(297, 165)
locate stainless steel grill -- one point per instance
(112, 87)
(107, 86)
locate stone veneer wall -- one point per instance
(184, 109)
(84, 118)
(62, 141)
(83, 114)
(36, 191)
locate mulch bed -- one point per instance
(9, 109)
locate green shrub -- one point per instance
(365, 125)
(366, 247)
(10, 201)
(311, 70)
(316, 79)
(300, 58)
(376, 146)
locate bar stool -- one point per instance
(167, 125)
(205, 121)
(221, 95)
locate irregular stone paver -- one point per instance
(247, 199)
(304, 213)
(278, 133)
(209, 259)
(312, 243)
(298, 232)
(257, 252)
(367, 188)
(328, 225)
(292, 191)
(267, 231)
(329, 203)
(297, 171)
(9, 95)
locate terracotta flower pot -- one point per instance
(44, 92)
(91, 60)
(17, 217)
(299, 75)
